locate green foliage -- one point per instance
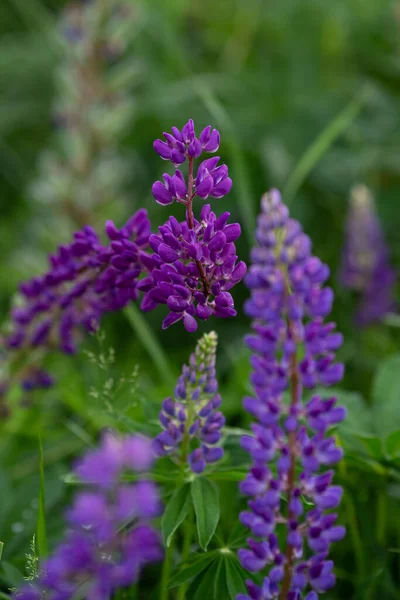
(175, 512)
(206, 506)
(41, 535)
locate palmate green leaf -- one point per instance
(211, 584)
(386, 397)
(175, 512)
(189, 571)
(235, 576)
(206, 506)
(41, 535)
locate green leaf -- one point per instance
(150, 343)
(206, 505)
(41, 537)
(1, 549)
(373, 445)
(386, 397)
(235, 576)
(212, 585)
(320, 146)
(12, 575)
(393, 445)
(190, 571)
(176, 510)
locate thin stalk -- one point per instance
(187, 544)
(295, 390)
(166, 571)
(189, 207)
(381, 516)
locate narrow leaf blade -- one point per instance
(190, 571)
(175, 512)
(206, 505)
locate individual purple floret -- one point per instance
(191, 422)
(293, 348)
(195, 260)
(85, 280)
(194, 269)
(365, 262)
(109, 539)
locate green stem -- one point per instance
(356, 537)
(151, 344)
(166, 571)
(187, 544)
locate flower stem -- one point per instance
(190, 217)
(166, 571)
(187, 543)
(295, 390)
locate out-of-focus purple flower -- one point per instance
(366, 264)
(194, 269)
(288, 305)
(109, 540)
(192, 418)
(85, 279)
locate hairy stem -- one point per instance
(187, 543)
(166, 571)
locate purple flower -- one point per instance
(194, 269)
(293, 348)
(192, 415)
(365, 262)
(85, 279)
(109, 540)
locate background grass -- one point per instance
(306, 95)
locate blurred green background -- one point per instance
(273, 77)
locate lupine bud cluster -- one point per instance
(85, 279)
(191, 422)
(83, 173)
(196, 260)
(365, 263)
(110, 539)
(291, 448)
(210, 180)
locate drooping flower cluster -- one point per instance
(293, 348)
(109, 538)
(191, 422)
(85, 279)
(365, 263)
(196, 260)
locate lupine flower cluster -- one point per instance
(365, 264)
(85, 279)
(83, 172)
(109, 539)
(191, 269)
(291, 448)
(191, 421)
(196, 260)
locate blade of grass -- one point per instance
(41, 537)
(1, 549)
(150, 343)
(321, 145)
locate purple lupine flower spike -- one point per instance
(85, 279)
(109, 539)
(192, 416)
(293, 348)
(196, 261)
(365, 262)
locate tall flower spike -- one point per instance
(191, 422)
(292, 349)
(365, 262)
(85, 279)
(196, 261)
(109, 539)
